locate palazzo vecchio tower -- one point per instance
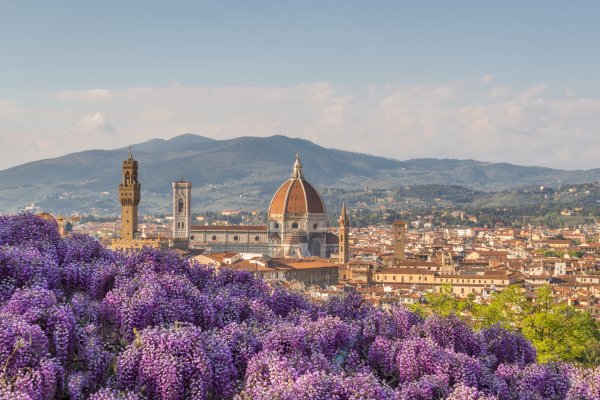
(129, 195)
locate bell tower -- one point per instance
(344, 251)
(399, 232)
(182, 216)
(129, 195)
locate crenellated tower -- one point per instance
(129, 195)
(344, 250)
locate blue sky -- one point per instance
(508, 81)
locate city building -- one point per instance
(302, 273)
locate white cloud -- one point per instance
(9, 108)
(85, 95)
(497, 92)
(534, 91)
(481, 118)
(95, 123)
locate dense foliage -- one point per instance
(558, 331)
(78, 321)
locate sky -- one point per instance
(509, 81)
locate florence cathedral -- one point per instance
(296, 226)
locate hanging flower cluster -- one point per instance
(78, 321)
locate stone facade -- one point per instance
(129, 196)
(235, 238)
(182, 215)
(399, 241)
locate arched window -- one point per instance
(126, 178)
(214, 237)
(180, 206)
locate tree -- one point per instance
(443, 302)
(559, 331)
(507, 308)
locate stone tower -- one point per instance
(344, 251)
(399, 231)
(182, 216)
(129, 195)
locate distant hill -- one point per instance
(243, 173)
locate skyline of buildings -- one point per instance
(387, 265)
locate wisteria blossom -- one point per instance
(78, 321)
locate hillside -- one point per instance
(243, 173)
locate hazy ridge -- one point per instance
(243, 173)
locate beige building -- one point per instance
(131, 244)
(462, 285)
(557, 244)
(404, 275)
(307, 272)
(356, 271)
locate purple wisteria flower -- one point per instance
(78, 321)
(177, 363)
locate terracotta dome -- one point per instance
(296, 196)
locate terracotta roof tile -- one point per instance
(296, 196)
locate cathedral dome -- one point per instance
(296, 196)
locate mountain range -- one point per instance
(243, 173)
